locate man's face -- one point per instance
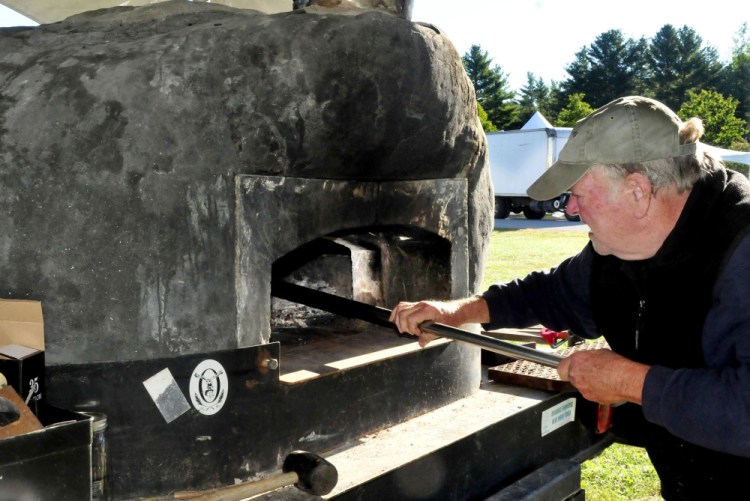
(600, 200)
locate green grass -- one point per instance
(620, 473)
(514, 253)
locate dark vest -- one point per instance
(653, 311)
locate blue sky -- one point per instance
(542, 36)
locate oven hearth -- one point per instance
(351, 265)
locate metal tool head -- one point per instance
(316, 475)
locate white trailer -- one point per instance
(517, 159)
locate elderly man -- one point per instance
(665, 279)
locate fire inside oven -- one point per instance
(376, 266)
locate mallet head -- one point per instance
(316, 475)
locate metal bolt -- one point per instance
(270, 363)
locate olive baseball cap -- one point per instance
(631, 129)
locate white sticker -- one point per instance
(558, 415)
(166, 395)
(208, 387)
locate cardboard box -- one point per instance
(22, 348)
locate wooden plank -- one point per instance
(318, 351)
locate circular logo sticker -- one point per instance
(208, 387)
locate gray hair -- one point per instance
(682, 172)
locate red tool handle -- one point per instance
(553, 338)
(603, 418)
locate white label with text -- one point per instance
(558, 415)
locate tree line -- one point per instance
(674, 67)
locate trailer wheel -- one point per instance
(502, 208)
(530, 213)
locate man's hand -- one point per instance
(603, 376)
(408, 316)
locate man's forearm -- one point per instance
(472, 310)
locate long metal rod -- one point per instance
(492, 344)
(377, 315)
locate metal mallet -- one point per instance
(305, 470)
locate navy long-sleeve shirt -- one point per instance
(707, 406)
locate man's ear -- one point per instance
(639, 190)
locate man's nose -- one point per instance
(572, 206)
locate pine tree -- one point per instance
(491, 86)
(679, 63)
(536, 96)
(609, 68)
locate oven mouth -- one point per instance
(378, 266)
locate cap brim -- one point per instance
(556, 180)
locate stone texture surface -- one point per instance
(307, 208)
(122, 132)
